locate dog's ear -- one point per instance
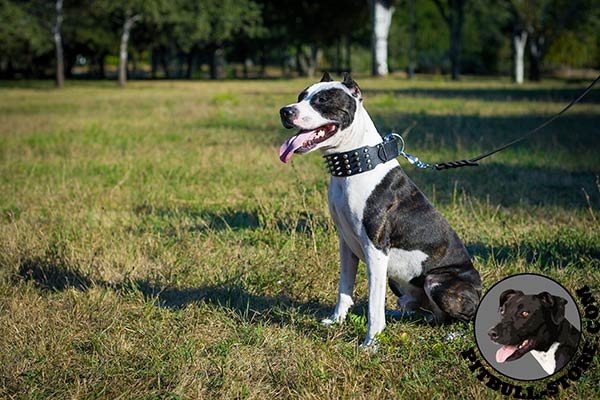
(352, 85)
(326, 77)
(555, 304)
(507, 294)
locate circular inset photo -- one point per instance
(527, 327)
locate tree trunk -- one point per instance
(313, 60)
(411, 39)
(164, 61)
(101, 64)
(456, 19)
(127, 25)
(381, 18)
(60, 58)
(218, 63)
(133, 59)
(338, 55)
(349, 52)
(300, 67)
(263, 63)
(519, 41)
(154, 63)
(307, 62)
(190, 64)
(535, 59)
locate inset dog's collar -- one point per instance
(363, 159)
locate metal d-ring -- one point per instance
(391, 135)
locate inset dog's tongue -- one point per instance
(504, 352)
(286, 151)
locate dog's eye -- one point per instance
(524, 313)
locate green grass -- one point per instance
(152, 245)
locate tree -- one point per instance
(381, 19)
(90, 34)
(129, 20)
(297, 31)
(410, 70)
(190, 29)
(519, 40)
(23, 37)
(452, 11)
(29, 28)
(229, 19)
(543, 21)
(127, 14)
(57, 35)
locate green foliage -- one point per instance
(189, 23)
(23, 36)
(280, 32)
(229, 18)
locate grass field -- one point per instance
(152, 245)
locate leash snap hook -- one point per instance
(413, 160)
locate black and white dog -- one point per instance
(382, 218)
(534, 324)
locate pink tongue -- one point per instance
(504, 352)
(286, 151)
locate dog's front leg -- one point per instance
(377, 262)
(348, 266)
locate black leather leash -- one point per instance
(365, 158)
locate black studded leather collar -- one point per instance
(363, 159)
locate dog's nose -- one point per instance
(493, 334)
(287, 115)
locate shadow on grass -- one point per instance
(498, 94)
(504, 185)
(478, 133)
(231, 297)
(207, 220)
(559, 252)
(50, 273)
(226, 219)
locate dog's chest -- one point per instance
(347, 200)
(547, 359)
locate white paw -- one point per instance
(454, 336)
(332, 321)
(370, 345)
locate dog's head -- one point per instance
(528, 322)
(323, 112)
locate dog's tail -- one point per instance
(455, 291)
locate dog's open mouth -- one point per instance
(510, 353)
(305, 140)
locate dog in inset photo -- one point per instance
(536, 324)
(381, 217)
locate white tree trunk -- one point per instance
(519, 41)
(56, 33)
(127, 25)
(381, 16)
